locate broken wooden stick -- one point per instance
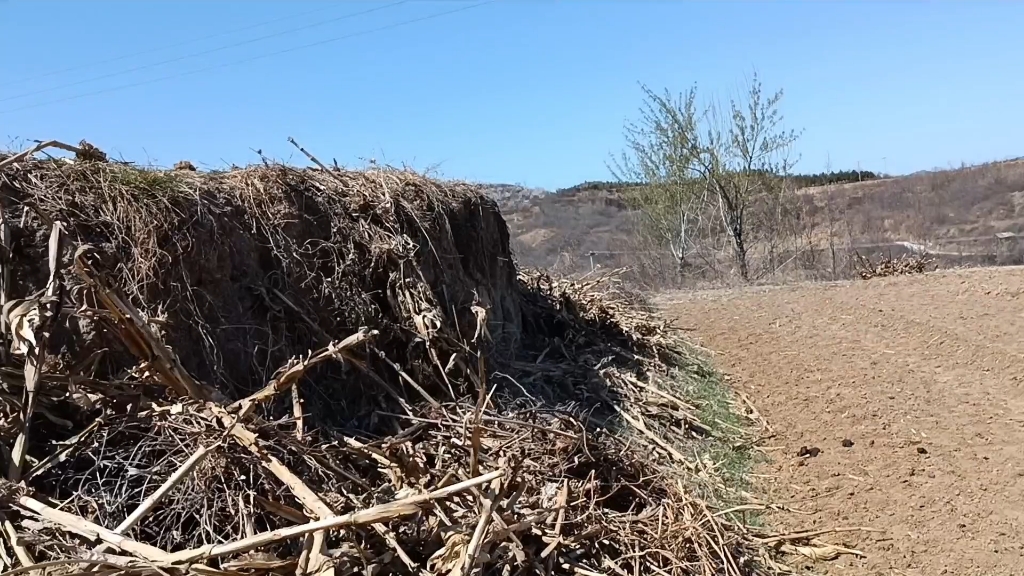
(316, 559)
(137, 334)
(476, 542)
(39, 147)
(814, 534)
(24, 556)
(144, 508)
(375, 514)
(5, 277)
(291, 374)
(641, 427)
(79, 525)
(47, 308)
(409, 379)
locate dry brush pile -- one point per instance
(888, 266)
(311, 371)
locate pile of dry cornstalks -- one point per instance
(277, 370)
(888, 266)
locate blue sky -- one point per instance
(519, 91)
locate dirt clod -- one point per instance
(811, 452)
(89, 153)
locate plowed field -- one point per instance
(923, 375)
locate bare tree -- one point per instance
(722, 159)
(832, 219)
(669, 199)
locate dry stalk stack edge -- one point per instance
(310, 371)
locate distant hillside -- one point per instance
(511, 197)
(941, 209)
(557, 229)
(950, 211)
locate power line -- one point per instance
(204, 52)
(160, 48)
(254, 58)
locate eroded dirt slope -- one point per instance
(924, 375)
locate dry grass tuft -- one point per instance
(278, 370)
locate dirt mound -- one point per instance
(273, 369)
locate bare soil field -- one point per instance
(923, 375)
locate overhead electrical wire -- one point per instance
(203, 53)
(251, 59)
(162, 48)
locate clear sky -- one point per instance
(517, 91)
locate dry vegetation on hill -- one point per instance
(555, 231)
(712, 197)
(954, 214)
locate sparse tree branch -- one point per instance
(692, 163)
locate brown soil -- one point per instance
(923, 374)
